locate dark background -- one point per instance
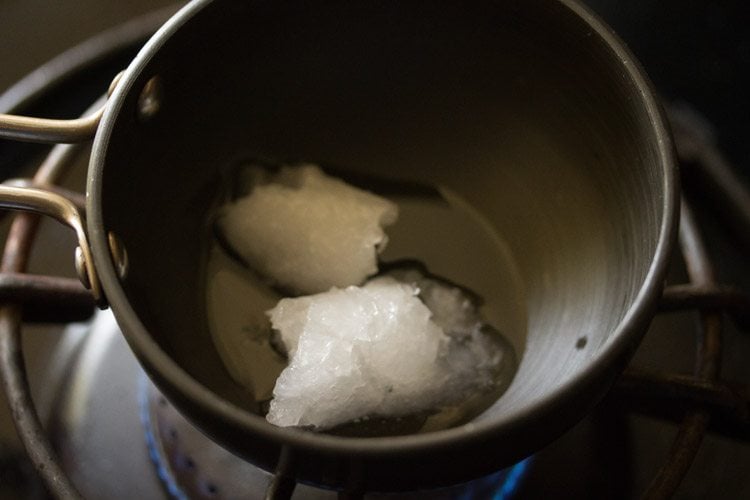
(697, 52)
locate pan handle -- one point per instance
(49, 131)
(54, 205)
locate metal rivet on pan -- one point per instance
(149, 101)
(119, 254)
(113, 84)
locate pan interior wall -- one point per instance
(525, 118)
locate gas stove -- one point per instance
(115, 436)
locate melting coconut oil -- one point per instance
(435, 227)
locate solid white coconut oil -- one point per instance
(437, 228)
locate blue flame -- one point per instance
(169, 482)
(502, 485)
(513, 480)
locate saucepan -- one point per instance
(532, 112)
